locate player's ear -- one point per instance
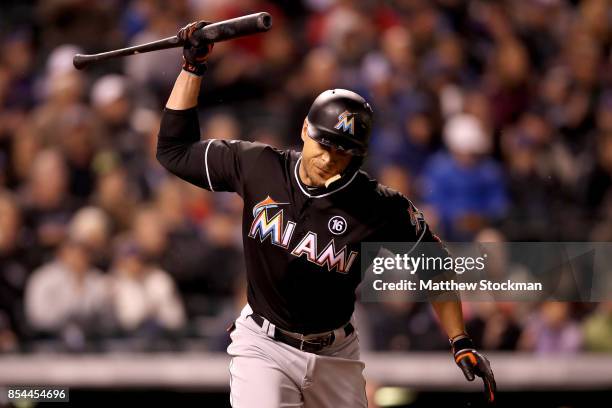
(304, 127)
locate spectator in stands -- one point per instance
(111, 99)
(151, 233)
(114, 193)
(222, 251)
(16, 95)
(398, 325)
(215, 329)
(509, 82)
(20, 76)
(91, 226)
(9, 341)
(534, 194)
(145, 300)
(68, 298)
(551, 330)
(599, 180)
(48, 206)
(397, 178)
(465, 186)
(185, 255)
(80, 139)
(172, 245)
(145, 169)
(150, 70)
(597, 329)
(61, 90)
(319, 71)
(14, 268)
(493, 325)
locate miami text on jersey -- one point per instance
(280, 235)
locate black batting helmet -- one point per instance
(341, 119)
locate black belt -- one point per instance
(311, 345)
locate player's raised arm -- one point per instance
(216, 165)
(185, 92)
(178, 145)
(186, 89)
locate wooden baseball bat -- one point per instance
(216, 32)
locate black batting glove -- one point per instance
(195, 50)
(473, 364)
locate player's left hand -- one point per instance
(473, 364)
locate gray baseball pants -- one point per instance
(266, 373)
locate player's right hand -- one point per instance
(195, 51)
(473, 364)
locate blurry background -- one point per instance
(494, 117)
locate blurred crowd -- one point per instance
(494, 117)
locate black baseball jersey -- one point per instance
(301, 244)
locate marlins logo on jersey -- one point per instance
(280, 235)
(346, 122)
(274, 227)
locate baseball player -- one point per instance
(305, 215)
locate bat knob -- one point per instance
(80, 61)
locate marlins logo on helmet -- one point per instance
(346, 122)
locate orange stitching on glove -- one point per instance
(469, 355)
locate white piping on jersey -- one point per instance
(231, 364)
(295, 172)
(206, 163)
(419, 240)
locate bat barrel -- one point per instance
(236, 27)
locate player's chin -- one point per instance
(323, 176)
(323, 173)
(317, 179)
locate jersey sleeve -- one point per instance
(410, 227)
(216, 165)
(406, 223)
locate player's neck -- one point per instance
(304, 176)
